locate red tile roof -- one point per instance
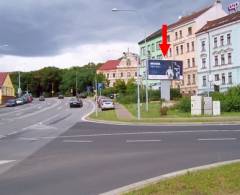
(110, 65)
(3, 76)
(220, 22)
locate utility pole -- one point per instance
(19, 84)
(76, 84)
(96, 96)
(52, 89)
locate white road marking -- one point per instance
(28, 139)
(217, 139)
(136, 141)
(77, 141)
(139, 133)
(12, 133)
(6, 161)
(2, 136)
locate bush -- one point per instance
(163, 111)
(127, 98)
(184, 104)
(175, 94)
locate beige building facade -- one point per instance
(123, 69)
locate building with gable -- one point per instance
(7, 90)
(125, 68)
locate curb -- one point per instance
(122, 123)
(142, 184)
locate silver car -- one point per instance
(107, 104)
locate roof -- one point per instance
(220, 22)
(110, 65)
(152, 36)
(183, 20)
(3, 76)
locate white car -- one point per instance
(19, 101)
(107, 104)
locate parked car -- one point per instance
(19, 101)
(75, 102)
(107, 104)
(41, 98)
(82, 95)
(60, 96)
(11, 103)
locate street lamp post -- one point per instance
(145, 42)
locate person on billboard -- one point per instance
(177, 70)
(169, 72)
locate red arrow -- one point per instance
(164, 45)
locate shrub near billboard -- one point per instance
(165, 70)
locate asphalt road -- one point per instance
(54, 152)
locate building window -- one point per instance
(222, 59)
(176, 35)
(180, 34)
(203, 46)
(223, 79)
(216, 77)
(181, 49)
(168, 38)
(107, 75)
(121, 74)
(203, 63)
(229, 78)
(153, 57)
(189, 79)
(215, 42)
(216, 60)
(143, 51)
(229, 39)
(113, 75)
(194, 79)
(158, 45)
(222, 40)
(170, 52)
(153, 48)
(188, 47)
(193, 62)
(229, 58)
(189, 63)
(204, 81)
(193, 48)
(135, 74)
(128, 74)
(158, 56)
(189, 30)
(177, 51)
(128, 62)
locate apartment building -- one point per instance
(218, 54)
(7, 90)
(182, 37)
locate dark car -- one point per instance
(60, 96)
(41, 98)
(11, 103)
(75, 102)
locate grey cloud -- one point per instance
(44, 28)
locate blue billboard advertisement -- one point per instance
(165, 70)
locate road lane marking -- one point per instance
(142, 141)
(77, 141)
(217, 139)
(12, 133)
(28, 139)
(6, 161)
(138, 133)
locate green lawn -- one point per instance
(109, 115)
(223, 180)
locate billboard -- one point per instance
(165, 70)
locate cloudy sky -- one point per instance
(64, 33)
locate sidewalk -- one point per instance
(122, 113)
